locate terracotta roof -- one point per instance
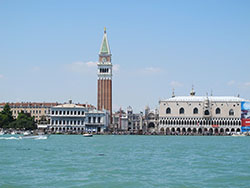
(29, 104)
(39, 104)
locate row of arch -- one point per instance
(201, 122)
(178, 130)
(196, 111)
(104, 70)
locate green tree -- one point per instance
(24, 121)
(6, 116)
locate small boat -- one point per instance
(26, 133)
(87, 135)
(13, 133)
(1, 133)
(238, 134)
(44, 136)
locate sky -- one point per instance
(49, 49)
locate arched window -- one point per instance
(231, 112)
(181, 111)
(195, 111)
(217, 111)
(206, 112)
(168, 111)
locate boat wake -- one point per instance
(9, 138)
(21, 138)
(41, 138)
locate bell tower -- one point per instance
(104, 88)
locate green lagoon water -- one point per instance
(125, 161)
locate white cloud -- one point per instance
(230, 83)
(247, 84)
(82, 67)
(176, 84)
(151, 70)
(1, 76)
(116, 68)
(91, 64)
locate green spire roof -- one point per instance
(105, 45)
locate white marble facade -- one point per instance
(200, 115)
(77, 118)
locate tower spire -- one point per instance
(105, 45)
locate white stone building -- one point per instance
(200, 115)
(78, 118)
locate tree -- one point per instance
(24, 121)
(6, 116)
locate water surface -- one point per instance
(125, 161)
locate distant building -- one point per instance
(128, 121)
(40, 111)
(151, 121)
(78, 118)
(200, 114)
(135, 121)
(119, 121)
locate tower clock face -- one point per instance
(104, 60)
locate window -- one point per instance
(206, 112)
(99, 119)
(94, 118)
(168, 111)
(82, 112)
(217, 111)
(231, 112)
(195, 111)
(181, 111)
(79, 112)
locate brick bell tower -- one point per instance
(104, 88)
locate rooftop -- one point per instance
(203, 98)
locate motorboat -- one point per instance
(87, 135)
(238, 134)
(26, 133)
(30, 136)
(1, 133)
